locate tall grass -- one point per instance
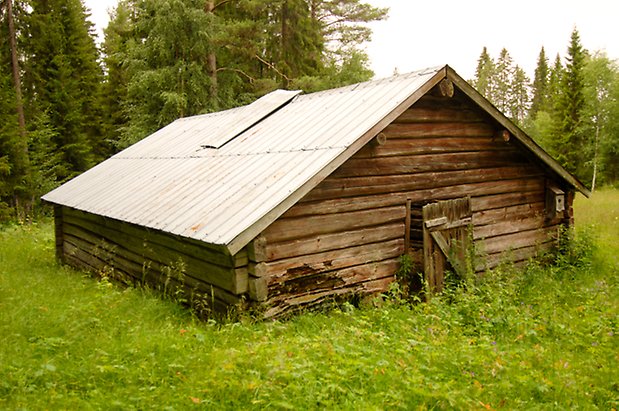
(541, 338)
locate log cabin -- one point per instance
(300, 198)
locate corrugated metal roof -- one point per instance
(268, 151)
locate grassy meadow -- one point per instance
(538, 338)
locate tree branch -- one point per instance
(272, 67)
(251, 79)
(221, 3)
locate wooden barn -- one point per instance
(298, 198)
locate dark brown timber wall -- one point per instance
(346, 235)
(205, 274)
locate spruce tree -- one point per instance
(500, 91)
(571, 104)
(519, 96)
(165, 58)
(540, 85)
(484, 73)
(63, 80)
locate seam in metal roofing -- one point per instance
(223, 177)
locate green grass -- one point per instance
(543, 338)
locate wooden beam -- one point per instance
(256, 249)
(502, 135)
(379, 140)
(258, 269)
(258, 289)
(443, 89)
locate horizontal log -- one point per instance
(333, 241)
(509, 226)
(419, 146)
(128, 272)
(515, 212)
(198, 249)
(110, 256)
(303, 265)
(376, 166)
(518, 240)
(225, 278)
(313, 299)
(331, 281)
(292, 228)
(425, 130)
(331, 195)
(514, 256)
(399, 194)
(494, 201)
(419, 114)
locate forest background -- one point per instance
(67, 103)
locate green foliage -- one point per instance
(571, 110)
(601, 117)
(484, 73)
(539, 101)
(173, 59)
(504, 84)
(163, 60)
(569, 143)
(62, 81)
(542, 338)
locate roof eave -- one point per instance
(527, 141)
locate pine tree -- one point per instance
(540, 85)
(484, 73)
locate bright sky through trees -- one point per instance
(420, 34)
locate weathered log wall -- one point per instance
(204, 274)
(345, 236)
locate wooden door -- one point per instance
(446, 239)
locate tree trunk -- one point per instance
(16, 78)
(595, 155)
(211, 63)
(284, 44)
(21, 160)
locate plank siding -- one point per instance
(349, 230)
(138, 255)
